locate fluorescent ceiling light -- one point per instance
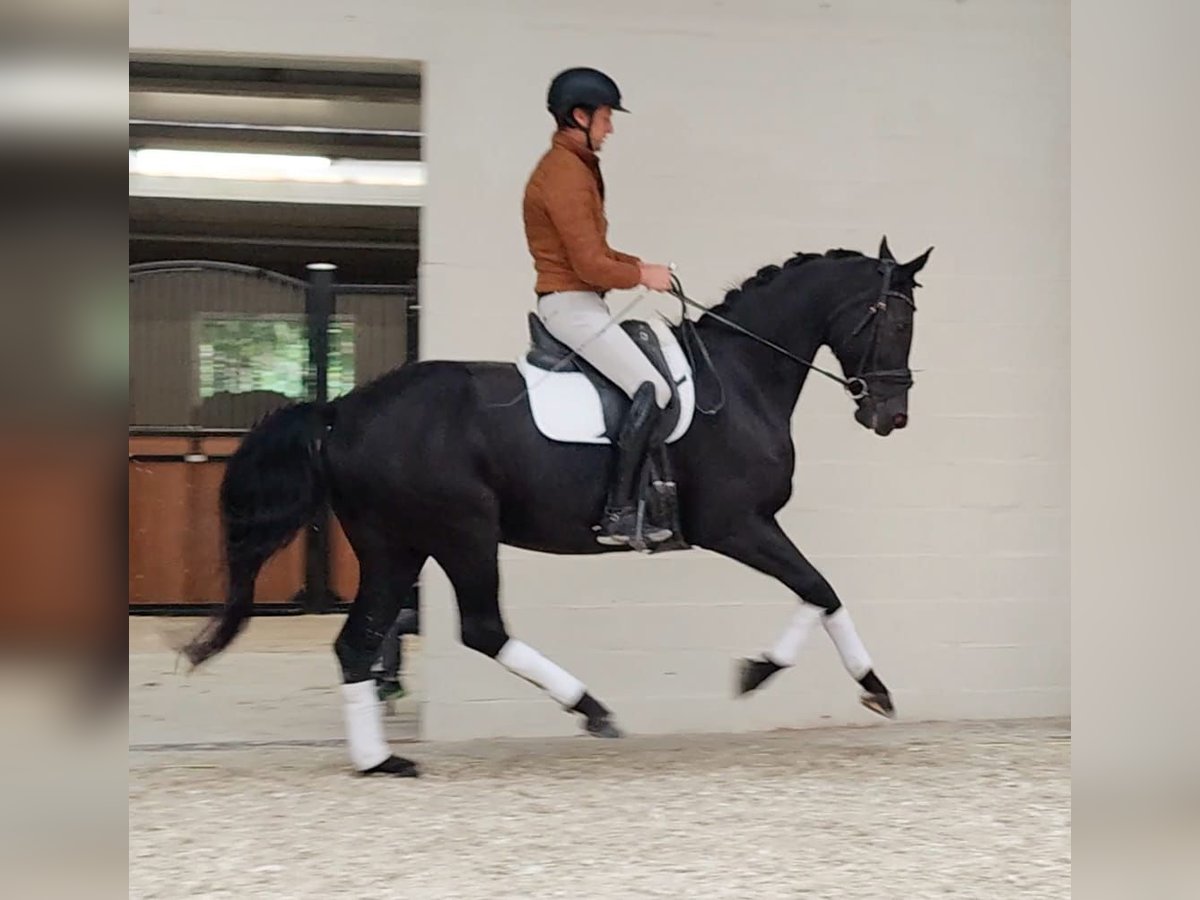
(205, 164)
(163, 163)
(402, 173)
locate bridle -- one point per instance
(857, 384)
(901, 377)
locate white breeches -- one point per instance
(582, 321)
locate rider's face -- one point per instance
(601, 126)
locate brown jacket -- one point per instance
(565, 224)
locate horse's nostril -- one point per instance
(900, 420)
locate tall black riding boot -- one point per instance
(620, 522)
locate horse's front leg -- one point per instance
(763, 546)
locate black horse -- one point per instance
(435, 460)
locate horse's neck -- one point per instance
(768, 374)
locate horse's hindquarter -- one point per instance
(399, 449)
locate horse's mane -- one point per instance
(767, 274)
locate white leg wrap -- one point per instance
(849, 645)
(521, 659)
(364, 725)
(787, 648)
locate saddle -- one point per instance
(548, 353)
(559, 410)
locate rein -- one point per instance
(855, 385)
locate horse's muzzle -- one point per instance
(879, 420)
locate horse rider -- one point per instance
(391, 650)
(566, 230)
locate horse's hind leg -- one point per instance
(474, 573)
(385, 574)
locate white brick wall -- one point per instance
(761, 128)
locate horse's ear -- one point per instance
(885, 252)
(912, 267)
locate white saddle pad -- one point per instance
(566, 406)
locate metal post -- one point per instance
(412, 326)
(319, 309)
(319, 301)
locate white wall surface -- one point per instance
(761, 128)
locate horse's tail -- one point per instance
(274, 485)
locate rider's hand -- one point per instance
(656, 277)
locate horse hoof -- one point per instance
(603, 727)
(879, 703)
(752, 673)
(394, 765)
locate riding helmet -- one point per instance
(581, 86)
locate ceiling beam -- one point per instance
(274, 241)
(276, 81)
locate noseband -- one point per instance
(857, 384)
